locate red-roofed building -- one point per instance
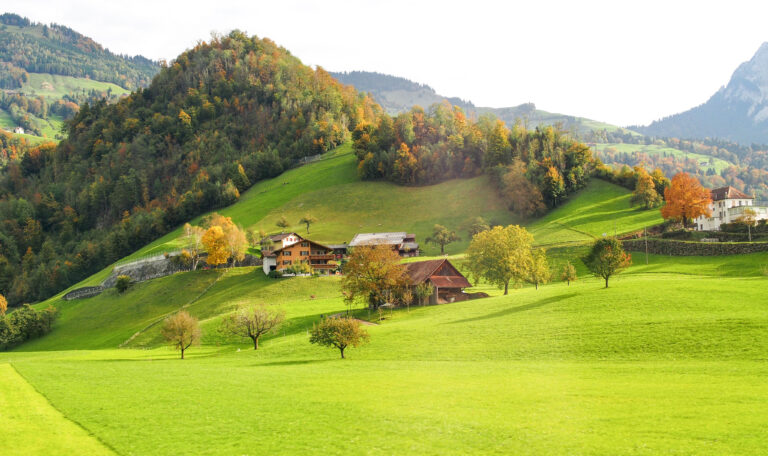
(446, 281)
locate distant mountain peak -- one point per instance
(736, 112)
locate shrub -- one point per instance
(122, 283)
(275, 274)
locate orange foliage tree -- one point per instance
(685, 199)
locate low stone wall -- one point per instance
(687, 248)
(85, 292)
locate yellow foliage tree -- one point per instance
(215, 243)
(3, 305)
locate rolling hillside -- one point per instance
(638, 368)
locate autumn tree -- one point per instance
(500, 255)
(215, 243)
(476, 225)
(645, 190)
(236, 244)
(372, 273)
(181, 330)
(122, 283)
(606, 258)
(308, 219)
(553, 186)
(339, 333)
(282, 223)
(538, 268)
(253, 321)
(685, 199)
(422, 291)
(522, 196)
(568, 273)
(660, 181)
(442, 236)
(3, 305)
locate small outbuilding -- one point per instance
(446, 281)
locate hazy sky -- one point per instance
(619, 62)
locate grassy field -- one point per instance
(652, 149)
(670, 359)
(663, 361)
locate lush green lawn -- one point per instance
(601, 208)
(30, 425)
(652, 149)
(55, 86)
(659, 362)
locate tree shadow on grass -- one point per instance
(296, 362)
(523, 308)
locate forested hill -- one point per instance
(222, 116)
(396, 94)
(737, 112)
(29, 47)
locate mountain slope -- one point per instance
(737, 112)
(222, 116)
(56, 49)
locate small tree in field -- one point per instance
(406, 297)
(181, 330)
(423, 291)
(500, 255)
(569, 273)
(645, 193)
(122, 283)
(749, 218)
(607, 258)
(308, 219)
(253, 322)
(339, 333)
(372, 273)
(282, 223)
(538, 268)
(442, 236)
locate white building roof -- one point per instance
(378, 238)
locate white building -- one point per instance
(18, 130)
(728, 205)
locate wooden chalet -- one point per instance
(319, 257)
(447, 282)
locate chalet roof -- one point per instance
(337, 246)
(378, 238)
(723, 193)
(281, 236)
(421, 271)
(274, 252)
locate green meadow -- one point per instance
(670, 359)
(718, 164)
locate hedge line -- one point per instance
(683, 248)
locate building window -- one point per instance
(287, 253)
(287, 262)
(304, 253)
(305, 244)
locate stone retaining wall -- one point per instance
(85, 292)
(684, 248)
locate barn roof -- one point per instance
(421, 271)
(378, 238)
(723, 193)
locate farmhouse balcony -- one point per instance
(760, 211)
(329, 256)
(323, 266)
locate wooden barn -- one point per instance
(447, 282)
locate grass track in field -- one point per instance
(30, 425)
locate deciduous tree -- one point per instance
(500, 255)
(685, 199)
(308, 220)
(3, 305)
(122, 283)
(372, 273)
(442, 236)
(645, 190)
(538, 268)
(193, 237)
(253, 321)
(181, 330)
(476, 225)
(606, 258)
(569, 273)
(215, 243)
(282, 223)
(749, 218)
(339, 333)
